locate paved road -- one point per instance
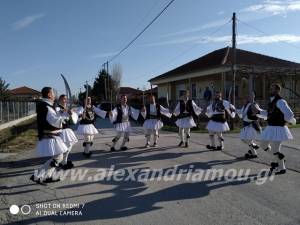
(183, 200)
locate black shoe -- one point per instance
(180, 144)
(112, 149)
(51, 180)
(210, 147)
(255, 146)
(38, 181)
(67, 166)
(219, 148)
(249, 155)
(186, 144)
(154, 144)
(87, 154)
(280, 172)
(124, 148)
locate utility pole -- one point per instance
(107, 78)
(105, 88)
(233, 66)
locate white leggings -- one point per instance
(275, 149)
(148, 133)
(47, 169)
(88, 138)
(118, 136)
(184, 134)
(212, 138)
(250, 144)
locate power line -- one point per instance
(134, 39)
(265, 33)
(198, 42)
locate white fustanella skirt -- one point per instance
(88, 129)
(187, 122)
(68, 136)
(249, 133)
(153, 124)
(123, 127)
(276, 133)
(217, 126)
(51, 146)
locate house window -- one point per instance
(194, 91)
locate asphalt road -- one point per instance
(256, 199)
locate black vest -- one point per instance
(120, 114)
(89, 116)
(218, 106)
(275, 116)
(250, 114)
(188, 107)
(43, 126)
(157, 116)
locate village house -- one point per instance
(253, 72)
(24, 94)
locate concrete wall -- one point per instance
(16, 122)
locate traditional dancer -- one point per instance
(120, 116)
(86, 127)
(184, 111)
(251, 128)
(152, 114)
(217, 124)
(67, 134)
(50, 144)
(278, 115)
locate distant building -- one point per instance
(24, 94)
(254, 72)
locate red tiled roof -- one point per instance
(24, 91)
(222, 57)
(129, 90)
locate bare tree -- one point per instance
(116, 77)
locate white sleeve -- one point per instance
(74, 117)
(134, 113)
(196, 108)
(165, 112)
(286, 110)
(100, 112)
(114, 115)
(57, 109)
(144, 114)
(263, 114)
(209, 111)
(54, 118)
(79, 110)
(227, 106)
(240, 112)
(177, 109)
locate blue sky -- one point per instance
(39, 39)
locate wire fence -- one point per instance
(13, 110)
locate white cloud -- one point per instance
(103, 55)
(241, 39)
(26, 21)
(275, 7)
(205, 26)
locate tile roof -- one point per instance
(222, 57)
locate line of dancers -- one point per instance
(56, 138)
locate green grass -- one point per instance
(19, 138)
